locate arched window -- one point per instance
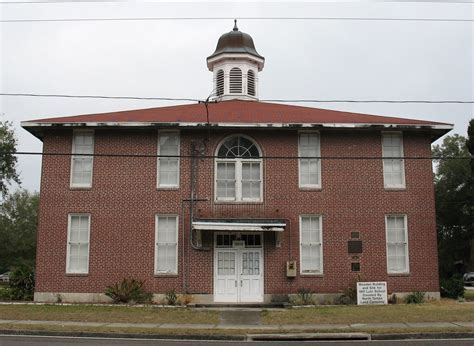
(220, 83)
(235, 83)
(251, 83)
(238, 170)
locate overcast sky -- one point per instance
(305, 59)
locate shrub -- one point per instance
(349, 295)
(171, 297)
(453, 287)
(305, 296)
(5, 293)
(128, 291)
(22, 283)
(416, 297)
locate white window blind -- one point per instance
(311, 255)
(251, 180)
(309, 168)
(166, 244)
(81, 165)
(78, 244)
(251, 83)
(226, 181)
(220, 83)
(235, 78)
(397, 244)
(393, 166)
(168, 167)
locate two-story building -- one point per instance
(235, 200)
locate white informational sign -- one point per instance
(371, 293)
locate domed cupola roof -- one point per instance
(235, 42)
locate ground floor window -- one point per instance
(166, 244)
(311, 252)
(397, 243)
(78, 236)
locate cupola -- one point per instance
(235, 64)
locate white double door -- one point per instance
(238, 275)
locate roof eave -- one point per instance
(37, 128)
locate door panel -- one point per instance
(251, 278)
(225, 278)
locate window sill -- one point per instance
(165, 275)
(80, 188)
(238, 202)
(398, 274)
(395, 188)
(77, 274)
(310, 189)
(167, 188)
(310, 275)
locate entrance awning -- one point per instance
(251, 225)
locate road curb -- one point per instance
(434, 335)
(124, 335)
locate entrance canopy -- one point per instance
(236, 225)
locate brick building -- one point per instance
(235, 200)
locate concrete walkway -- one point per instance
(229, 322)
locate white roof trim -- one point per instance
(192, 124)
(238, 226)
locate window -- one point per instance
(393, 166)
(235, 85)
(168, 167)
(78, 236)
(220, 83)
(166, 244)
(81, 165)
(251, 83)
(238, 170)
(309, 169)
(311, 252)
(397, 243)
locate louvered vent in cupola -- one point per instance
(235, 84)
(220, 83)
(251, 83)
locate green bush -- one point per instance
(171, 297)
(416, 297)
(452, 287)
(128, 291)
(22, 283)
(5, 293)
(305, 296)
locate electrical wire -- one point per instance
(263, 100)
(260, 157)
(379, 19)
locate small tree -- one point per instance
(8, 160)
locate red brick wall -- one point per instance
(124, 199)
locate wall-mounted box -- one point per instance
(291, 269)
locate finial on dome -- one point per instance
(235, 25)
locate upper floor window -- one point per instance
(78, 236)
(168, 166)
(238, 171)
(220, 83)
(251, 83)
(397, 243)
(235, 81)
(309, 164)
(81, 165)
(393, 165)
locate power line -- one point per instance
(264, 100)
(378, 19)
(260, 157)
(102, 97)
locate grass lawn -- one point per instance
(97, 313)
(469, 295)
(435, 311)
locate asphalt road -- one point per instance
(9, 340)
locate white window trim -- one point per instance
(300, 184)
(158, 184)
(71, 184)
(68, 243)
(405, 225)
(238, 180)
(403, 184)
(162, 272)
(321, 262)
